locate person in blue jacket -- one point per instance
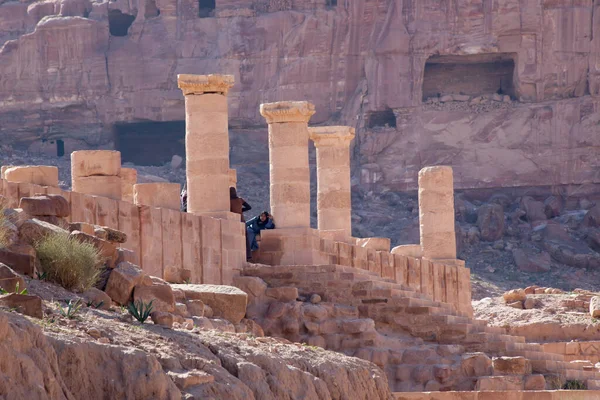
(257, 224)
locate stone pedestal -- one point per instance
(207, 143)
(334, 202)
(288, 155)
(436, 213)
(96, 172)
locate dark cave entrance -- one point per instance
(119, 23)
(471, 75)
(150, 143)
(207, 8)
(382, 119)
(60, 148)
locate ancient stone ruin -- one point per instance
(406, 310)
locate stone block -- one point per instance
(514, 295)
(464, 290)
(86, 163)
(158, 194)
(192, 246)
(387, 265)
(9, 279)
(46, 205)
(426, 277)
(103, 186)
(128, 179)
(82, 227)
(34, 230)
(151, 249)
(24, 304)
(536, 382)
(210, 238)
(451, 284)
(171, 239)
(226, 301)
(122, 281)
(360, 257)
(410, 250)
(11, 193)
(195, 308)
(498, 383)
(374, 261)
(38, 174)
(129, 224)
(107, 212)
(20, 262)
(511, 366)
(97, 297)
(375, 243)
(414, 273)
(283, 294)
(159, 293)
(107, 250)
(83, 208)
(162, 318)
(401, 269)
(176, 275)
(595, 307)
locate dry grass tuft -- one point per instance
(72, 264)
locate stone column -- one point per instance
(207, 143)
(288, 156)
(436, 213)
(334, 203)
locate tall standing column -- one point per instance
(436, 213)
(334, 201)
(207, 143)
(288, 155)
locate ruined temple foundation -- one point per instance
(334, 200)
(207, 144)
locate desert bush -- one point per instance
(72, 264)
(4, 232)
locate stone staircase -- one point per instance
(432, 337)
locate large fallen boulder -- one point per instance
(20, 262)
(160, 293)
(122, 281)
(226, 301)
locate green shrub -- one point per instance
(574, 385)
(17, 291)
(71, 310)
(140, 310)
(69, 262)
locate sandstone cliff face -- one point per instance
(370, 64)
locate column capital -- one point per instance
(287, 111)
(200, 84)
(331, 136)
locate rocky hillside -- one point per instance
(505, 93)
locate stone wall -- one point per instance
(212, 249)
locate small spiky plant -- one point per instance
(140, 310)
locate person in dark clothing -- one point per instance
(239, 206)
(257, 224)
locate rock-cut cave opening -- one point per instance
(149, 142)
(119, 23)
(471, 75)
(380, 119)
(207, 8)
